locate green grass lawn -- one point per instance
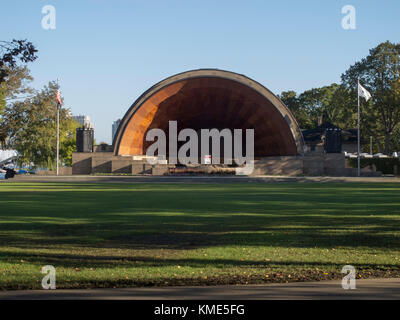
(114, 235)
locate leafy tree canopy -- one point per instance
(331, 103)
(13, 51)
(31, 129)
(379, 73)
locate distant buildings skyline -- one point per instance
(114, 129)
(83, 120)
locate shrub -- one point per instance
(384, 165)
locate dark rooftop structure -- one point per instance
(331, 136)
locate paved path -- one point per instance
(366, 289)
(193, 179)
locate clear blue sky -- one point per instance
(106, 53)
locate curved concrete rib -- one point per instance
(206, 99)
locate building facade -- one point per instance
(83, 120)
(114, 129)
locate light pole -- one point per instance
(58, 127)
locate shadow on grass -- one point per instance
(151, 216)
(89, 261)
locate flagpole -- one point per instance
(358, 126)
(58, 133)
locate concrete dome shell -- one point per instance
(206, 99)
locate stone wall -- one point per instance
(101, 162)
(82, 162)
(121, 166)
(311, 164)
(287, 166)
(106, 162)
(91, 162)
(334, 164)
(324, 164)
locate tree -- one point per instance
(329, 102)
(13, 78)
(68, 146)
(15, 83)
(2, 100)
(13, 51)
(379, 73)
(31, 128)
(292, 101)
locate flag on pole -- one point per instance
(59, 97)
(362, 92)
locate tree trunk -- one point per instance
(380, 147)
(387, 143)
